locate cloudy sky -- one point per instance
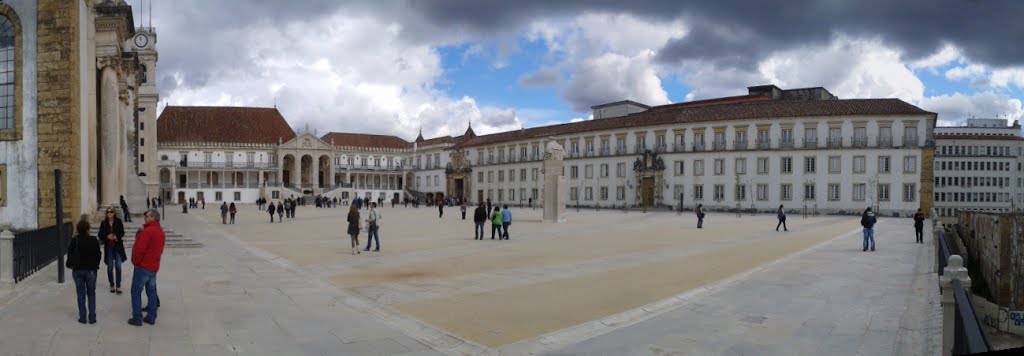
(392, 67)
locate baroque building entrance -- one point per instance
(649, 170)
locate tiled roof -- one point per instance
(180, 124)
(365, 140)
(743, 110)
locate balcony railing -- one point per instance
(860, 142)
(910, 141)
(885, 142)
(620, 151)
(764, 144)
(662, 148)
(678, 147)
(697, 147)
(835, 142)
(786, 143)
(605, 152)
(640, 148)
(740, 145)
(810, 143)
(718, 145)
(228, 165)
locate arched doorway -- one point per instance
(165, 178)
(323, 171)
(306, 171)
(288, 168)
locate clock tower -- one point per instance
(143, 42)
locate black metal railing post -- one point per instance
(60, 225)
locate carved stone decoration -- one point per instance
(649, 162)
(555, 186)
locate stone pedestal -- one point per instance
(555, 186)
(954, 271)
(6, 259)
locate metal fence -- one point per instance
(968, 334)
(35, 249)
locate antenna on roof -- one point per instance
(275, 101)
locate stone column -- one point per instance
(6, 258)
(296, 166)
(954, 271)
(110, 147)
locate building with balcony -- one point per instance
(802, 148)
(978, 167)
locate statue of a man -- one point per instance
(554, 151)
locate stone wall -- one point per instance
(58, 110)
(927, 179)
(995, 254)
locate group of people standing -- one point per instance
(284, 208)
(500, 218)
(373, 219)
(85, 251)
(226, 209)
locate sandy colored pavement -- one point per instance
(546, 278)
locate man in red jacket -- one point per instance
(149, 246)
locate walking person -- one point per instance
(506, 220)
(84, 260)
(224, 213)
(124, 208)
(146, 254)
(919, 226)
(440, 211)
(232, 211)
(782, 219)
(353, 228)
(270, 209)
(463, 210)
(280, 212)
(700, 216)
(373, 227)
(111, 232)
(868, 221)
(479, 217)
(496, 222)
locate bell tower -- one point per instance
(143, 42)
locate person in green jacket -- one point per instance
(496, 222)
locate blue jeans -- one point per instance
(869, 235)
(113, 260)
(142, 278)
(371, 235)
(479, 230)
(85, 287)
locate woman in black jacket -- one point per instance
(353, 227)
(111, 233)
(84, 259)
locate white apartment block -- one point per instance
(978, 167)
(801, 148)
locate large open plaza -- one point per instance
(581, 286)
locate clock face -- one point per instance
(141, 40)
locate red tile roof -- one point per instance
(365, 140)
(180, 124)
(743, 110)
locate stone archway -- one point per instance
(288, 171)
(323, 171)
(306, 171)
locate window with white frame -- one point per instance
(501, 176)
(719, 192)
(620, 169)
(522, 174)
(909, 192)
(835, 165)
(604, 171)
(490, 177)
(574, 172)
(787, 164)
(910, 164)
(535, 173)
(698, 192)
(479, 177)
(884, 164)
(741, 166)
(883, 192)
(809, 191)
(588, 171)
(620, 193)
(511, 192)
(680, 168)
(574, 193)
(809, 164)
(588, 193)
(833, 192)
(719, 166)
(698, 167)
(762, 165)
(859, 191)
(511, 175)
(604, 193)
(859, 162)
(741, 192)
(786, 192)
(762, 192)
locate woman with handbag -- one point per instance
(111, 232)
(232, 210)
(353, 227)
(84, 260)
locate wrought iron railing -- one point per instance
(835, 142)
(860, 142)
(810, 143)
(968, 333)
(764, 144)
(740, 145)
(35, 249)
(885, 142)
(786, 143)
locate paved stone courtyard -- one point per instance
(604, 282)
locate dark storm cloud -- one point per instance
(984, 29)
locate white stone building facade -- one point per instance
(978, 167)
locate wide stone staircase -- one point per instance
(173, 239)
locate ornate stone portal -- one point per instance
(555, 186)
(458, 175)
(649, 170)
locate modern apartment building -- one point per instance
(978, 167)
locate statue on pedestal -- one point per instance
(555, 186)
